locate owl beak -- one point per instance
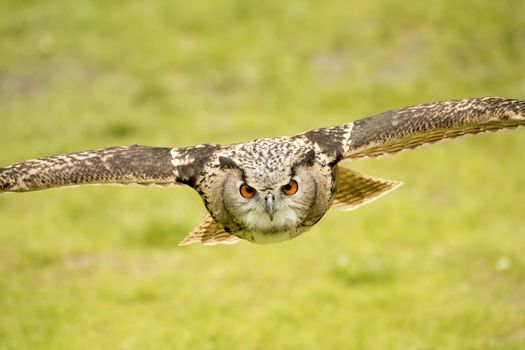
(270, 205)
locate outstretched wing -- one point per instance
(117, 165)
(411, 127)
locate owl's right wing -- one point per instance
(136, 164)
(407, 128)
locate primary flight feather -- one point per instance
(274, 189)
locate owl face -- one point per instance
(268, 199)
(268, 212)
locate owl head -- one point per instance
(269, 194)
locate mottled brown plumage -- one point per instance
(272, 210)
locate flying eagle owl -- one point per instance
(273, 189)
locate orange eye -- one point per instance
(247, 191)
(290, 188)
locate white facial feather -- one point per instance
(263, 230)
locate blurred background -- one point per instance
(437, 264)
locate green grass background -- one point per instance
(438, 264)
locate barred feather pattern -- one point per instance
(209, 233)
(355, 190)
(121, 165)
(407, 128)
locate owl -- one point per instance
(273, 189)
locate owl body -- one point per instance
(273, 189)
(266, 166)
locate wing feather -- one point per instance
(208, 232)
(407, 128)
(355, 190)
(121, 165)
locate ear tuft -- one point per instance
(227, 163)
(307, 160)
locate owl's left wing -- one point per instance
(136, 164)
(407, 128)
